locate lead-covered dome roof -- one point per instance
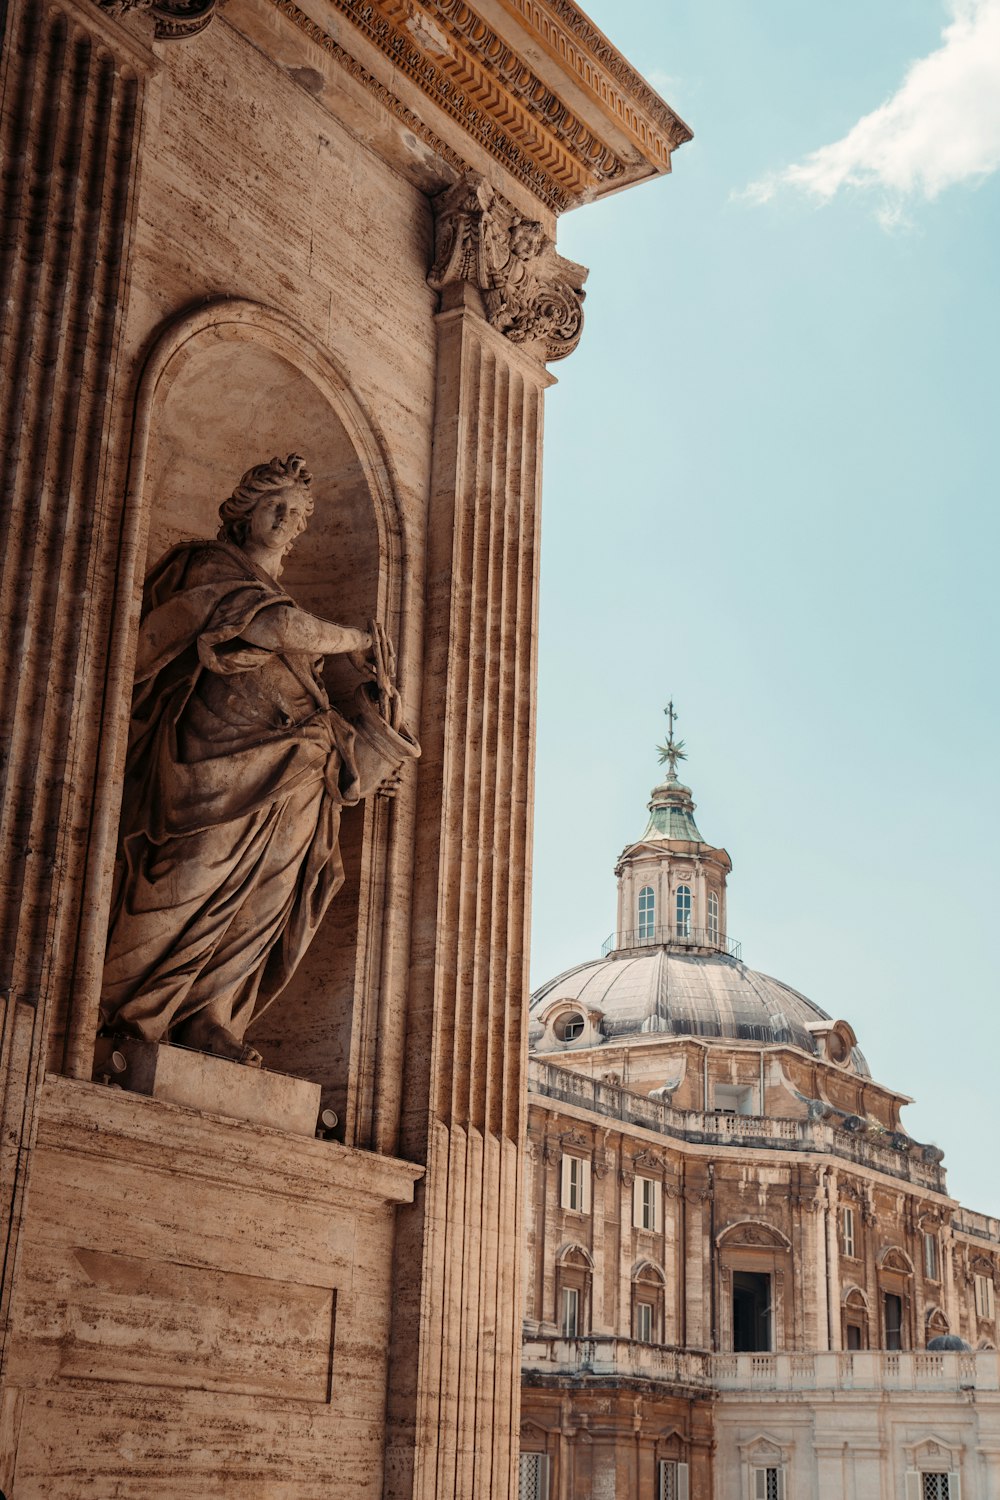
(685, 994)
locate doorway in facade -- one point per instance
(893, 1321)
(751, 1311)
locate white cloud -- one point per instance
(942, 126)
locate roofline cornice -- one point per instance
(531, 83)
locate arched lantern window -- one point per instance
(647, 913)
(683, 900)
(713, 917)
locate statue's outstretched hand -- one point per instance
(364, 660)
(384, 654)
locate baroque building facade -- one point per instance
(743, 1278)
(326, 230)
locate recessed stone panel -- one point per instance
(156, 1322)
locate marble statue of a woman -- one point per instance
(238, 770)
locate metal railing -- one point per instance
(548, 1080)
(673, 936)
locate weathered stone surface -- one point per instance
(220, 240)
(213, 1085)
(204, 1305)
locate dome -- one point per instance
(949, 1341)
(686, 994)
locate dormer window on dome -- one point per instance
(568, 1023)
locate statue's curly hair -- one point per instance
(261, 480)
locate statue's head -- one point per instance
(259, 487)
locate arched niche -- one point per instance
(226, 387)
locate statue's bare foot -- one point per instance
(211, 1036)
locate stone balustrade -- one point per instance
(759, 1131)
(983, 1226)
(870, 1370)
(605, 1357)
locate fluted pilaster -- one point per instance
(456, 1373)
(71, 121)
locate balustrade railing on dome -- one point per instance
(722, 1128)
(677, 935)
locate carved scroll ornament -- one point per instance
(174, 20)
(529, 291)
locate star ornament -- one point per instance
(673, 751)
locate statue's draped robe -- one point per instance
(237, 772)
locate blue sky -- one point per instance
(770, 493)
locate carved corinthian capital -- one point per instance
(174, 20)
(529, 291)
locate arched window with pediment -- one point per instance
(682, 902)
(895, 1284)
(574, 1277)
(648, 1286)
(647, 914)
(854, 1319)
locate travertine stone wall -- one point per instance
(610, 1442)
(203, 1305)
(839, 1436)
(212, 250)
(744, 1208)
(72, 128)
(461, 1108)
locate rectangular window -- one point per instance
(575, 1184)
(533, 1476)
(673, 1480)
(751, 1312)
(646, 1203)
(931, 1256)
(985, 1300)
(647, 914)
(729, 1099)
(853, 1336)
(893, 1306)
(927, 1484)
(569, 1312)
(847, 1226)
(768, 1484)
(644, 1322)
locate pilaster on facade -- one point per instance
(72, 132)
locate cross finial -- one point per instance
(673, 750)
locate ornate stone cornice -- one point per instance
(570, 35)
(530, 293)
(173, 20)
(478, 72)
